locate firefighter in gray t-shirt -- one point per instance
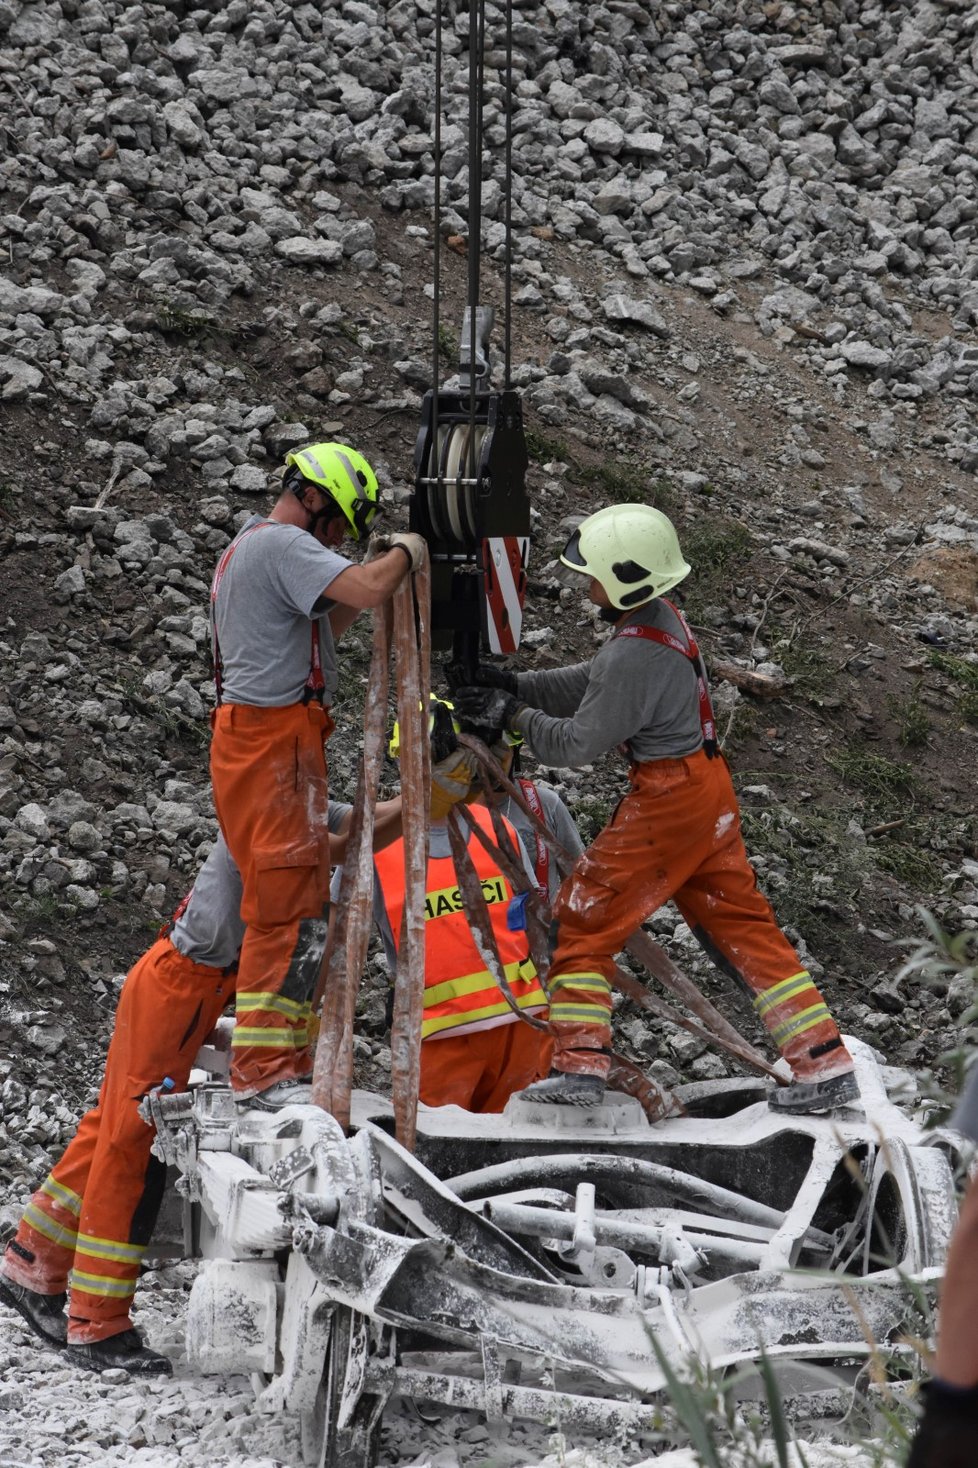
(279, 596)
(674, 835)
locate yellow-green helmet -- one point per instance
(632, 550)
(394, 747)
(341, 473)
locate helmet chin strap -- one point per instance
(610, 614)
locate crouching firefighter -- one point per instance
(475, 1052)
(674, 835)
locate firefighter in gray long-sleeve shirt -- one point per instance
(674, 835)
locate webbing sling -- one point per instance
(541, 860)
(315, 684)
(691, 651)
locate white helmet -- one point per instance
(633, 550)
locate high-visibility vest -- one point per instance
(460, 994)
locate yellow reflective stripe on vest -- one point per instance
(272, 1004)
(781, 992)
(799, 1023)
(42, 1224)
(534, 1000)
(110, 1249)
(449, 899)
(104, 1285)
(61, 1194)
(472, 983)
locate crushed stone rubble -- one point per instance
(743, 245)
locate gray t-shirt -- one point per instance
(210, 930)
(264, 614)
(632, 691)
(557, 818)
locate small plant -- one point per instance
(624, 482)
(447, 343)
(937, 958)
(806, 665)
(542, 448)
(591, 816)
(956, 668)
(911, 719)
(716, 548)
(968, 706)
(183, 323)
(910, 865)
(7, 493)
(350, 330)
(884, 783)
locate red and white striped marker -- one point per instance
(504, 560)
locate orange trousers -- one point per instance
(268, 770)
(479, 1071)
(676, 835)
(87, 1227)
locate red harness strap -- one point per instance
(689, 650)
(315, 684)
(541, 864)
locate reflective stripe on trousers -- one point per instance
(268, 770)
(88, 1224)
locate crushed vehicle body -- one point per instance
(545, 1263)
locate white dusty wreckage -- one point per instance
(546, 1263)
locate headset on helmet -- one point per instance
(342, 474)
(632, 550)
(434, 704)
(513, 740)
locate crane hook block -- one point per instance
(470, 504)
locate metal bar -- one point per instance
(332, 1079)
(630, 1171)
(569, 1409)
(548, 1223)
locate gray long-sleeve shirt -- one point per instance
(632, 691)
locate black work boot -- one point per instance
(566, 1089)
(802, 1098)
(45, 1314)
(125, 1350)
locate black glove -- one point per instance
(489, 708)
(483, 676)
(948, 1429)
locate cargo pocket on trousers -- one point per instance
(289, 885)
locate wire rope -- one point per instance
(433, 466)
(508, 175)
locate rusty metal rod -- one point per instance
(332, 1081)
(412, 657)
